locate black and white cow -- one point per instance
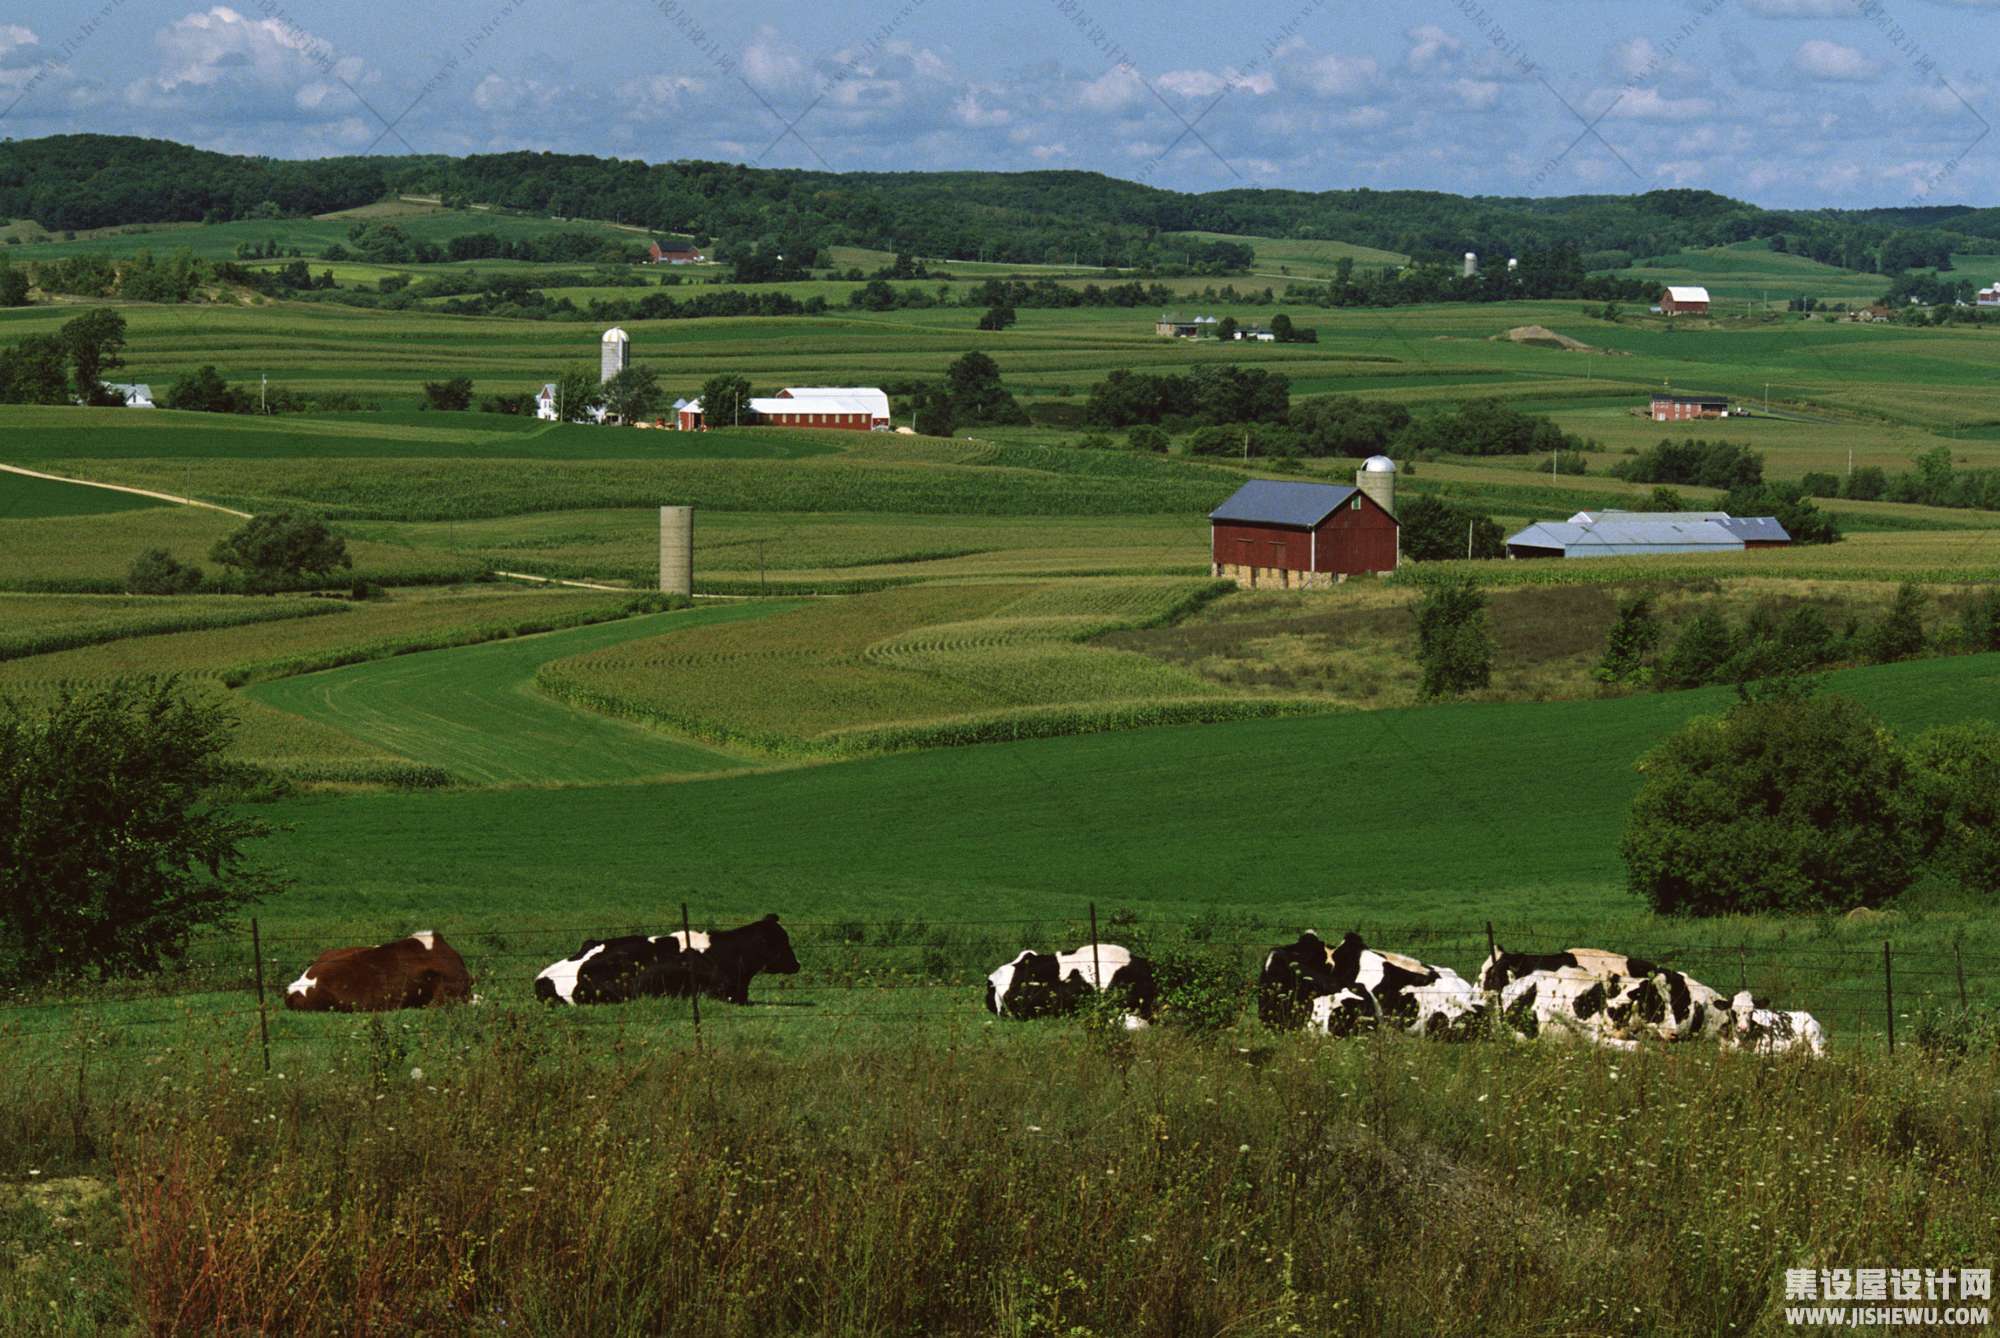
(1502, 967)
(1046, 984)
(1340, 989)
(1766, 1031)
(1569, 1003)
(719, 964)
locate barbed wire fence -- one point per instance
(918, 969)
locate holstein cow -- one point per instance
(412, 972)
(1567, 1003)
(1503, 968)
(1340, 989)
(1044, 984)
(1765, 1031)
(719, 964)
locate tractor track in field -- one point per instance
(120, 487)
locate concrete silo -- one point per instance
(1471, 263)
(677, 550)
(1377, 478)
(616, 354)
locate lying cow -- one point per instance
(718, 964)
(1502, 968)
(1766, 1031)
(1340, 989)
(1044, 984)
(412, 972)
(1570, 1003)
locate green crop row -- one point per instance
(44, 624)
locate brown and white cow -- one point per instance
(412, 972)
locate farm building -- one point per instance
(1300, 534)
(852, 409)
(1261, 334)
(1591, 534)
(1175, 328)
(1988, 297)
(545, 405)
(137, 394)
(1684, 301)
(616, 355)
(673, 254)
(1669, 407)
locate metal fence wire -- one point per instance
(918, 968)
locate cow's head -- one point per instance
(774, 946)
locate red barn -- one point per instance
(1300, 534)
(1674, 408)
(1684, 301)
(657, 254)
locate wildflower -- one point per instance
(1244, 1147)
(416, 1075)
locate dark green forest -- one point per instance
(88, 181)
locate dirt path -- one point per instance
(119, 487)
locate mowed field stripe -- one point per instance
(473, 710)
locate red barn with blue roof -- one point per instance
(1300, 534)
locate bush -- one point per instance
(1146, 437)
(1199, 991)
(1956, 785)
(453, 395)
(1707, 464)
(1454, 642)
(1981, 622)
(1791, 802)
(1820, 485)
(1900, 634)
(282, 548)
(1434, 530)
(656, 601)
(1700, 653)
(158, 572)
(1866, 484)
(1633, 638)
(113, 855)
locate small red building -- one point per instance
(672, 255)
(1300, 534)
(1674, 408)
(1684, 301)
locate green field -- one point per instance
(23, 496)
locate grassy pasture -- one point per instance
(218, 241)
(23, 497)
(471, 710)
(1750, 275)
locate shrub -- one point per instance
(656, 601)
(1633, 638)
(1956, 785)
(1706, 645)
(1789, 505)
(1981, 622)
(1791, 802)
(1146, 437)
(1434, 530)
(1707, 464)
(158, 572)
(1900, 634)
(1820, 485)
(1454, 641)
(452, 395)
(113, 856)
(282, 548)
(1199, 990)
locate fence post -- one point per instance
(1096, 967)
(1742, 966)
(1958, 961)
(1491, 950)
(263, 1019)
(694, 977)
(1889, 994)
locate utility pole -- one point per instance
(263, 382)
(1767, 399)
(1468, 540)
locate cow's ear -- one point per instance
(771, 919)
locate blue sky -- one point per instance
(1784, 102)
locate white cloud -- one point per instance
(1647, 104)
(1831, 62)
(1430, 45)
(1478, 94)
(771, 67)
(1336, 76)
(1044, 153)
(13, 37)
(243, 69)
(1114, 90)
(1208, 83)
(968, 111)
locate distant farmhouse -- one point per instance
(1646, 534)
(1301, 535)
(673, 254)
(1175, 328)
(1988, 297)
(1673, 408)
(138, 395)
(844, 408)
(1684, 301)
(1262, 334)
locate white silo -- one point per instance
(1377, 478)
(1513, 265)
(616, 355)
(1471, 263)
(677, 550)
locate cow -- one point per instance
(413, 972)
(1766, 1031)
(1568, 1003)
(718, 964)
(1667, 1005)
(1338, 990)
(1044, 984)
(1502, 967)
